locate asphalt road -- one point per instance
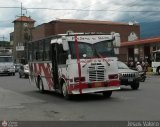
(22, 102)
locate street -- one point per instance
(22, 102)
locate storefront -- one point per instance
(141, 50)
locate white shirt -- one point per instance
(139, 68)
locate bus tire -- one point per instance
(107, 94)
(64, 91)
(135, 86)
(40, 85)
(158, 70)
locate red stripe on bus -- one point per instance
(78, 61)
(47, 74)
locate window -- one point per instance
(83, 48)
(36, 50)
(62, 55)
(30, 57)
(46, 52)
(39, 50)
(105, 48)
(41, 46)
(5, 59)
(158, 57)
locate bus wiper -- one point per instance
(100, 56)
(90, 60)
(104, 59)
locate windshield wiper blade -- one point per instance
(103, 58)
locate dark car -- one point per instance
(17, 66)
(24, 71)
(128, 76)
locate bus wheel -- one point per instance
(64, 91)
(40, 85)
(158, 70)
(107, 94)
(135, 86)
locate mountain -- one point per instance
(150, 29)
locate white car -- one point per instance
(7, 65)
(128, 76)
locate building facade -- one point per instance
(141, 49)
(21, 35)
(128, 32)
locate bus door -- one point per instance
(54, 59)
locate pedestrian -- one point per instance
(131, 64)
(143, 64)
(139, 67)
(146, 66)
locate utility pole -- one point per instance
(3, 42)
(3, 38)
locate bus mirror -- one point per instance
(69, 56)
(65, 44)
(116, 42)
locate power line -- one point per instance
(93, 4)
(9, 7)
(59, 9)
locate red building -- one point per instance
(128, 32)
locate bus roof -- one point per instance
(72, 34)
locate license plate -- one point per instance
(130, 80)
(97, 84)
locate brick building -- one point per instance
(128, 31)
(21, 35)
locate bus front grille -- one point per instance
(96, 72)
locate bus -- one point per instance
(156, 61)
(75, 63)
(6, 62)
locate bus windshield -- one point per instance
(103, 48)
(83, 48)
(5, 59)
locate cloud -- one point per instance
(115, 10)
(5, 33)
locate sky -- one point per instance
(43, 11)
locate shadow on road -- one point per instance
(126, 89)
(52, 97)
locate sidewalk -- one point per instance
(149, 73)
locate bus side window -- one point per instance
(41, 50)
(62, 55)
(47, 49)
(37, 55)
(36, 50)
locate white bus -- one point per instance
(156, 62)
(75, 63)
(6, 63)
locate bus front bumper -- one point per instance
(94, 87)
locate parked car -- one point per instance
(128, 76)
(24, 71)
